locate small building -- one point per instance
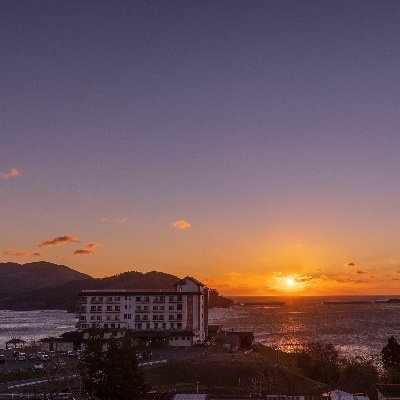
(68, 341)
(235, 339)
(388, 392)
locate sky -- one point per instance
(251, 144)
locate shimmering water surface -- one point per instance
(34, 325)
(354, 329)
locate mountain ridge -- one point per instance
(64, 294)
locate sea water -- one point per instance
(356, 329)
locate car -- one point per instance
(71, 354)
(21, 357)
(2, 358)
(44, 357)
(31, 356)
(37, 367)
(15, 353)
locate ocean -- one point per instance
(356, 329)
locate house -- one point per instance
(68, 341)
(388, 392)
(176, 317)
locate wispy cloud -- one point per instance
(122, 221)
(351, 264)
(359, 272)
(181, 224)
(21, 254)
(89, 250)
(13, 172)
(59, 241)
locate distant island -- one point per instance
(43, 286)
(389, 301)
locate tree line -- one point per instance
(322, 362)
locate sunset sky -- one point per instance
(254, 145)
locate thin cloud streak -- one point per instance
(89, 250)
(59, 241)
(12, 173)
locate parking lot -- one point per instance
(34, 360)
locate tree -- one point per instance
(124, 380)
(391, 354)
(359, 375)
(320, 361)
(91, 365)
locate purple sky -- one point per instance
(271, 127)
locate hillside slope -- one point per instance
(17, 279)
(65, 295)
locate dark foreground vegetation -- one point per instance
(116, 374)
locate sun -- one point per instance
(290, 282)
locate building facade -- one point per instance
(178, 317)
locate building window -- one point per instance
(155, 317)
(117, 299)
(93, 308)
(146, 298)
(99, 308)
(179, 297)
(171, 298)
(83, 318)
(147, 325)
(161, 317)
(99, 318)
(137, 317)
(100, 299)
(109, 298)
(179, 325)
(145, 317)
(179, 306)
(109, 308)
(171, 308)
(117, 308)
(156, 325)
(179, 316)
(170, 317)
(138, 298)
(155, 308)
(172, 326)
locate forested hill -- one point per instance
(17, 279)
(64, 295)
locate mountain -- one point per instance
(17, 279)
(64, 295)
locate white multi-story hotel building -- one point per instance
(178, 317)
